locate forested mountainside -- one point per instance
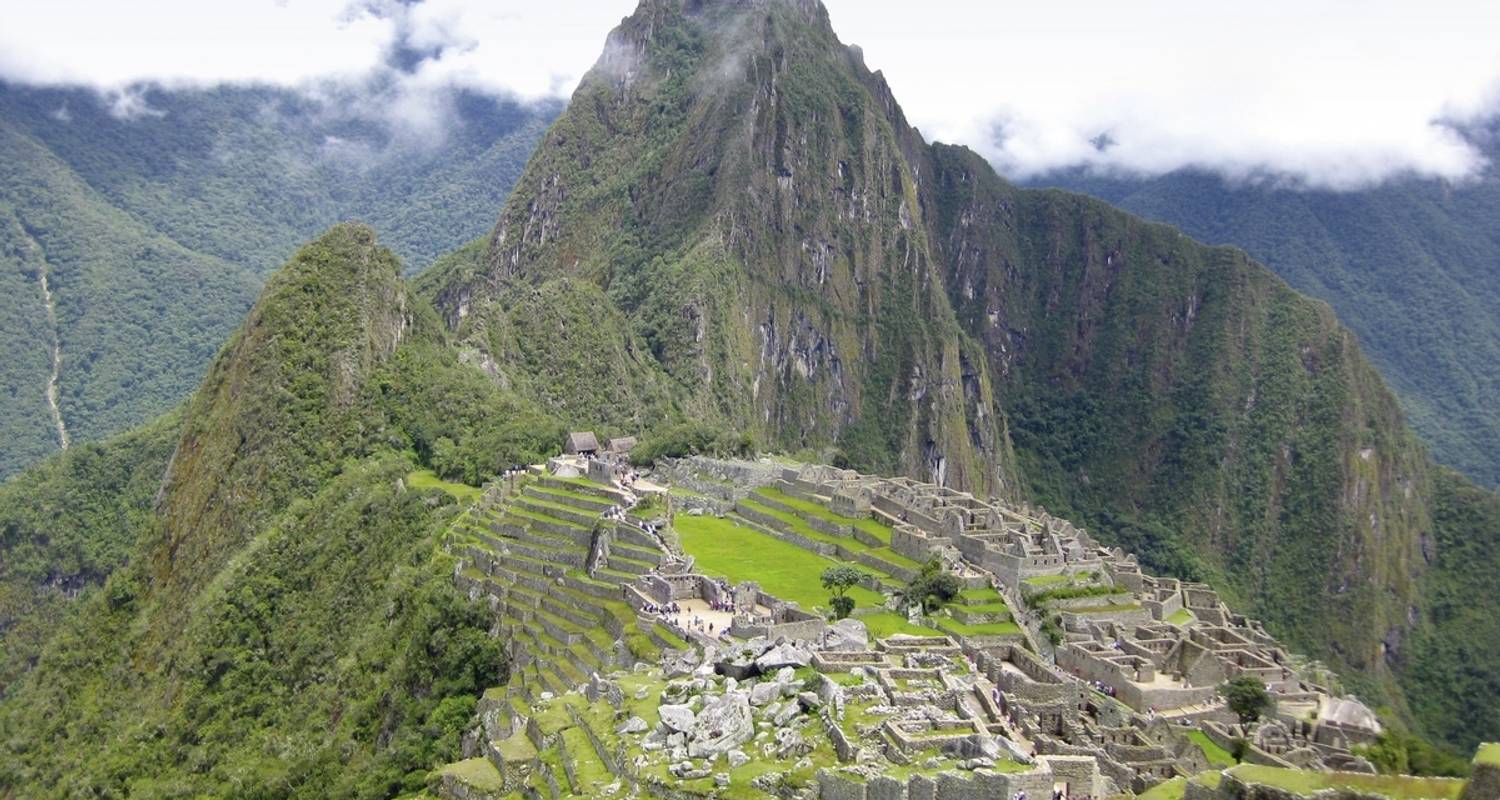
(732, 229)
(1411, 266)
(153, 230)
(279, 613)
(738, 206)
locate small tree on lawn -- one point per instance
(839, 580)
(932, 588)
(1247, 697)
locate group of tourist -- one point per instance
(662, 608)
(615, 513)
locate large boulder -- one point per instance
(785, 654)
(764, 692)
(847, 634)
(677, 717)
(723, 725)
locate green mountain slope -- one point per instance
(1410, 266)
(280, 614)
(734, 195)
(135, 312)
(155, 231)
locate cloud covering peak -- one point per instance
(1326, 93)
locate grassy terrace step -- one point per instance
(650, 556)
(800, 527)
(569, 673)
(590, 773)
(543, 506)
(605, 590)
(586, 656)
(668, 638)
(530, 515)
(476, 773)
(515, 749)
(979, 597)
(521, 530)
(957, 628)
(867, 524)
(581, 486)
(568, 497)
(558, 556)
(615, 576)
(627, 564)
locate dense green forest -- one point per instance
(278, 612)
(156, 230)
(1410, 266)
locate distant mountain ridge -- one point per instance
(1412, 266)
(155, 231)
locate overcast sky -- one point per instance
(1327, 92)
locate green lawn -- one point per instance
(427, 479)
(1181, 616)
(785, 570)
(888, 623)
(1046, 580)
(1166, 790)
(980, 629)
(979, 596)
(1305, 782)
(1488, 754)
(1216, 755)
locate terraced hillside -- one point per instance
(604, 700)
(533, 549)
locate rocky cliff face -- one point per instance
(734, 202)
(742, 191)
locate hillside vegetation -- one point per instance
(1409, 266)
(156, 230)
(277, 611)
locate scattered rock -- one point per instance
(633, 725)
(737, 758)
(724, 724)
(721, 779)
(787, 713)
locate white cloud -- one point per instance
(1325, 92)
(1333, 93)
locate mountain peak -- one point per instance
(270, 412)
